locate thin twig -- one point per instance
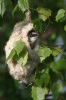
(42, 14)
(28, 17)
(27, 4)
(47, 26)
(46, 16)
(32, 8)
(50, 46)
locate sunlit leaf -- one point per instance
(38, 93)
(42, 80)
(14, 10)
(20, 61)
(44, 52)
(56, 51)
(25, 58)
(65, 28)
(56, 90)
(11, 55)
(44, 13)
(18, 46)
(60, 14)
(58, 65)
(22, 5)
(2, 7)
(22, 58)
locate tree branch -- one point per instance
(28, 14)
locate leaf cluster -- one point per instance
(18, 53)
(49, 71)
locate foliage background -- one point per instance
(9, 88)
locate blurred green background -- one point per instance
(9, 88)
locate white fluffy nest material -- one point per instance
(24, 74)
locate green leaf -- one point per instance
(58, 65)
(65, 28)
(11, 55)
(25, 58)
(1, 22)
(37, 93)
(20, 55)
(56, 90)
(20, 61)
(22, 5)
(18, 46)
(2, 7)
(44, 52)
(44, 13)
(60, 14)
(9, 4)
(22, 58)
(14, 10)
(54, 77)
(56, 51)
(4, 4)
(42, 80)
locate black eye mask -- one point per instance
(30, 33)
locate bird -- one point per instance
(25, 32)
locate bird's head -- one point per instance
(29, 35)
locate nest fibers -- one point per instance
(23, 31)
